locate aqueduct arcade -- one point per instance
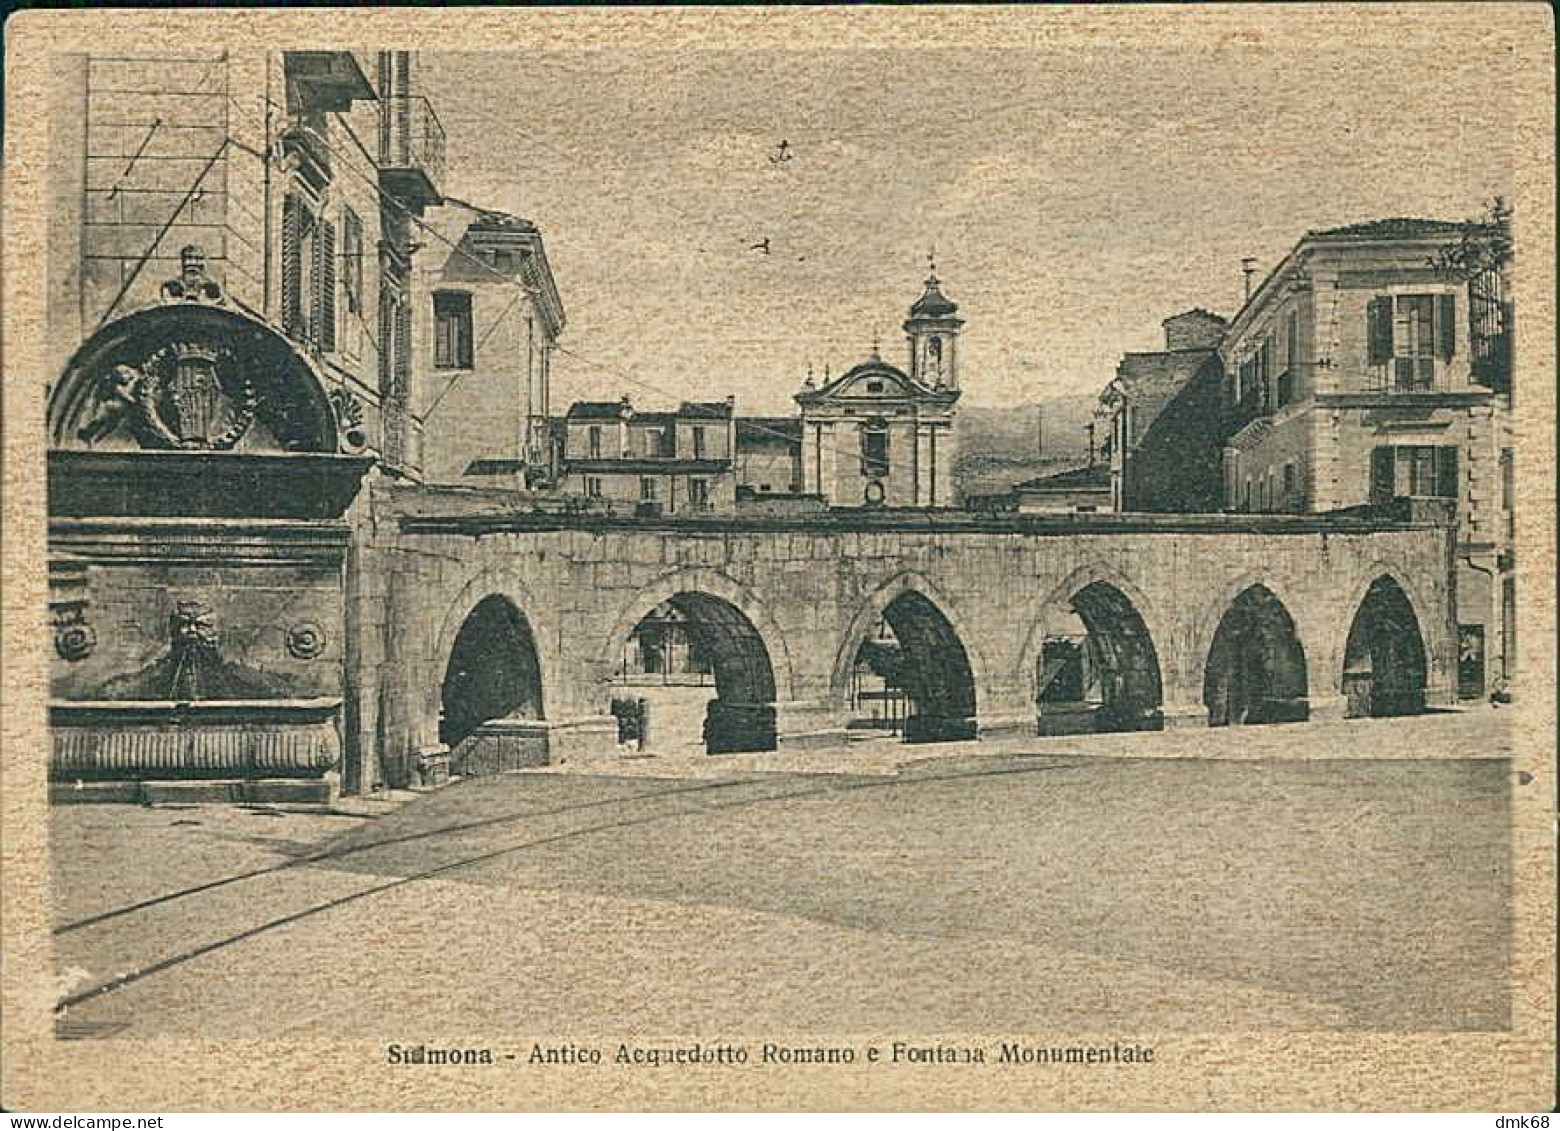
(500, 635)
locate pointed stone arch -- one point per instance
(1385, 665)
(746, 650)
(1119, 653)
(506, 584)
(945, 668)
(1254, 668)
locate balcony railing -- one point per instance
(412, 150)
(1405, 375)
(1492, 361)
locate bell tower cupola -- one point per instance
(932, 331)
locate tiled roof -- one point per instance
(1395, 227)
(1169, 369)
(595, 410)
(1251, 435)
(494, 221)
(1201, 313)
(875, 364)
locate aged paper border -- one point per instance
(1241, 1071)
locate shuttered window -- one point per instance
(874, 453)
(390, 415)
(294, 218)
(1383, 473)
(1446, 325)
(403, 351)
(386, 343)
(1378, 321)
(1413, 344)
(1407, 334)
(1423, 471)
(324, 285)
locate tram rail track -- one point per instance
(141, 972)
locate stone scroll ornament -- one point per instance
(305, 640)
(74, 638)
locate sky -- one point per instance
(1079, 179)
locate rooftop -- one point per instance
(597, 410)
(769, 428)
(1092, 475)
(1390, 228)
(490, 220)
(933, 303)
(1199, 312)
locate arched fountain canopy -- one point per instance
(195, 406)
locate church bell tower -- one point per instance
(932, 331)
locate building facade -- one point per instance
(651, 462)
(487, 317)
(1078, 490)
(1162, 417)
(877, 435)
(1364, 370)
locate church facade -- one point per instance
(877, 435)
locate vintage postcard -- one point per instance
(697, 558)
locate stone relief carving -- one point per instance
(349, 419)
(176, 399)
(74, 638)
(305, 640)
(193, 374)
(193, 667)
(192, 283)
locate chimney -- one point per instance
(1248, 268)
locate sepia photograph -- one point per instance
(955, 558)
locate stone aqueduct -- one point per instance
(1205, 617)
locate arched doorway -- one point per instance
(1384, 668)
(1256, 665)
(1097, 669)
(702, 671)
(922, 663)
(493, 673)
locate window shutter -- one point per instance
(403, 352)
(1446, 325)
(1446, 472)
(292, 266)
(464, 354)
(442, 353)
(352, 259)
(1383, 471)
(386, 342)
(325, 287)
(1378, 329)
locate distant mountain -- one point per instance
(1000, 446)
(1049, 429)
